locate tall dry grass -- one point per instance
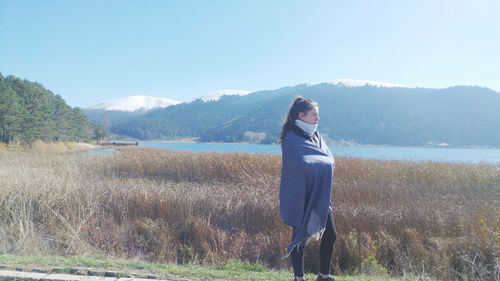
(425, 219)
(45, 147)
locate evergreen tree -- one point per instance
(29, 112)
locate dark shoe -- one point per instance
(327, 279)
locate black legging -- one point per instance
(325, 250)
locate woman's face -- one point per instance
(311, 116)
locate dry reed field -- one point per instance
(405, 218)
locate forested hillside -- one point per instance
(29, 112)
(197, 118)
(462, 115)
(108, 118)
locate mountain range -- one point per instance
(116, 111)
(352, 111)
(112, 112)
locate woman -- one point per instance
(306, 185)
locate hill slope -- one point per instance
(462, 115)
(29, 112)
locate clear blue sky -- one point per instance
(91, 51)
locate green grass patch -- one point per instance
(232, 270)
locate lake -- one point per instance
(467, 155)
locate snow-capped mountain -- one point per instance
(213, 96)
(135, 103)
(360, 83)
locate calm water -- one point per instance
(468, 155)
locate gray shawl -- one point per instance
(306, 185)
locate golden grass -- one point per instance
(46, 147)
(424, 219)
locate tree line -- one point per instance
(29, 112)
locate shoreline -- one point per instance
(193, 140)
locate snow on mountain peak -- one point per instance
(213, 96)
(360, 83)
(135, 103)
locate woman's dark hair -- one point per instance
(299, 105)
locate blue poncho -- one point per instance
(306, 185)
